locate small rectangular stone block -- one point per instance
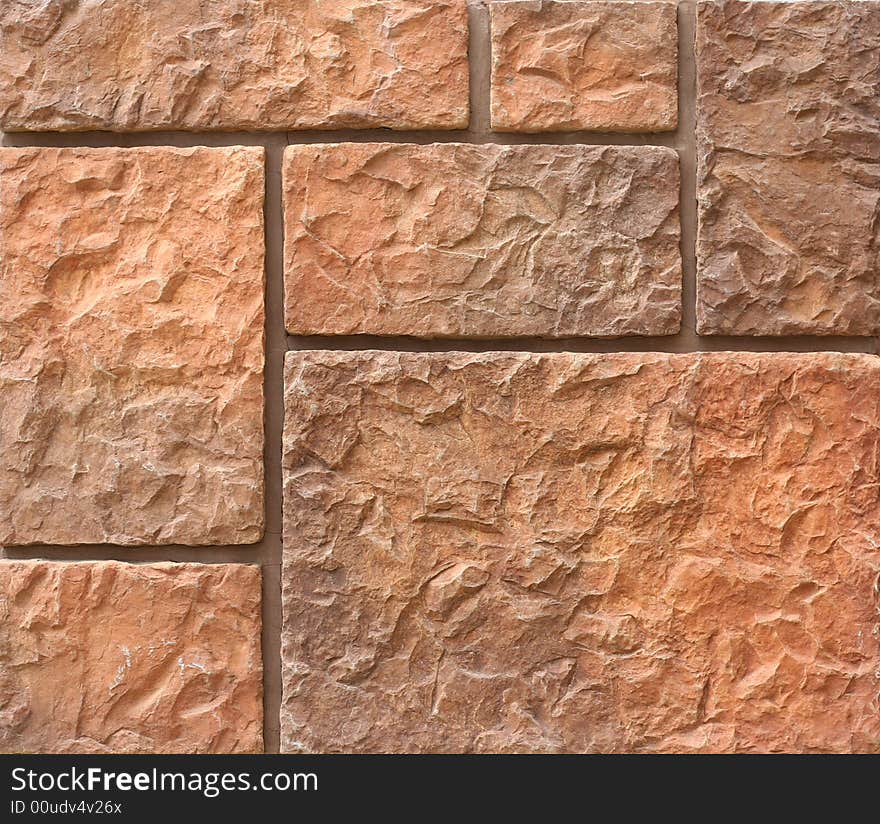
(106, 657)
(502, 552)
(599, 66)
(131, 346)
(454, 240)
(126, 66)
(789, 168)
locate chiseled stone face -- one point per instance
(233, 64)
(482, 240)
(564, 66)
(789, 168)
(626, 552)
(131, 346)
(106, 657)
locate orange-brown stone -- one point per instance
(578, 553)
(131, 346)
(120, 658)
(453, 240)
(233, 64)
(789, 168)
(566, 65)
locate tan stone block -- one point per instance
(106, 657)
(233, 64)
(453, 240)
(578, 553)
(602, 66)
(131, 346)
(789, 168)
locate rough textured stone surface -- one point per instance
(789, 168)
(627, 552)
(108, 658)
(563, 66)
(482, 240)
(233, 64)
(131, 345)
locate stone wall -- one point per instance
(439, 376)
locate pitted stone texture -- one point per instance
(627, 552)
(452, 240)
(603, 66)
(121, 658)
(124, 66)
(131, 346)
(789, 168)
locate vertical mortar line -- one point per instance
(686, 140)
(276, 345)
(480, 72)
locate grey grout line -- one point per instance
(674, 344)
(480, 67)
(687, 152)
(147, 554)
(268, 552)
(212, 139)
(274, 423)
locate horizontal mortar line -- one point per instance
(187, 139)
(580, 138)
(675, 344)
(144, 554)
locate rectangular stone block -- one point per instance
(125, 66)
(131, 346)
(453, 240)
(602, 66)
(502, 552)
(105, 657)
(789, 168)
